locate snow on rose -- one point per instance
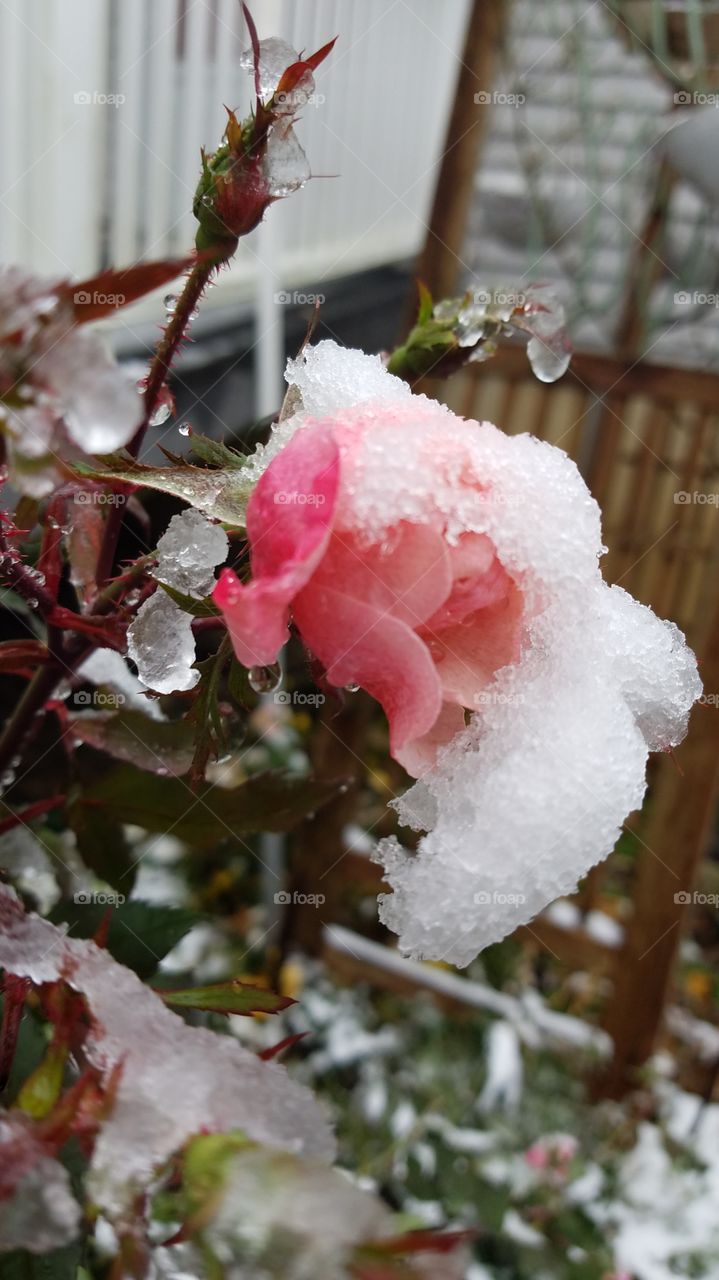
(453, 572)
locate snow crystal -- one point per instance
(38, 1211)
(160, 640)
(161, 644)
(176, 1079)
(534, 791)
(188, 553)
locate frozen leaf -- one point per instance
(175, 1079)
(222, 492)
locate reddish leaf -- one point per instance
(103, 294)
(17, 655)
(32, 811)
(14, 992)
(315, 59)
(275, 1049)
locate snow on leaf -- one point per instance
(175, 1080)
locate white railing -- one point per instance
(105, 104)
(84, 182)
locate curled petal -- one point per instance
(289, 520)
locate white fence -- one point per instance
(104, 105)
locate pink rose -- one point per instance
(452, 571)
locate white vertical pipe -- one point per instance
(269, 317)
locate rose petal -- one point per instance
(289, 520)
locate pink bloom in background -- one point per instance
(552, 1155)
(453, 572)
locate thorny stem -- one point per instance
(195, 285)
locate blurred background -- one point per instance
(559, 1096)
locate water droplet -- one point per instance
(548, 362)
(352, 688)
(160, 415)
(265, 679)
(170, 303)
(185, 429)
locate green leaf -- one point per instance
(223, 491)
(238, 685)
(217, 454)
(140, 933)
(228, 997)
(160, 746)
(198, 608)
(102, 845)
(272, 801)
(60, 1264)
(425, 303)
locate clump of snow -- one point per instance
(160, 640)
(162, 646)
(534, 790)
(188, 553)
(276, 56)
(38, 1211)
(176, 1080)
(503, 1086)
(30, 868)
(107, 667)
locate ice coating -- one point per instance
(65, 392)
(176, 1080)
(160, 640)
(525, 799)
(161, 644)
(188, 553)
(275, 57)
(284, 164)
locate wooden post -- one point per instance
(439, 263)
(681, 810)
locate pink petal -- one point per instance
(289, 519)
(361, 644)
(419, 755)
(469, 653)
(478, 580)
(359, 614)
